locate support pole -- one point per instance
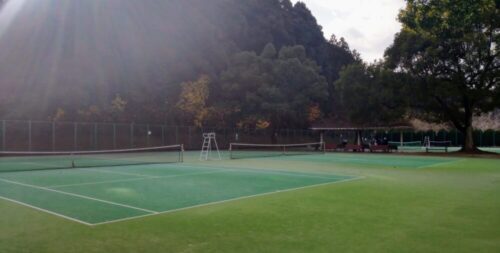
(147, 135)
(95, 136)
(53, 135)
(114, 136)
(401, 137)
(29, 136)
(132, 135)
(4, 129)
(176, 134)
(162, 135)
(75, 136)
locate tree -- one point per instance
(276, 88)
(193, 100)
(451, 49)
(373, 94)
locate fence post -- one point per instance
(163, 135)
(147, 135)
(75, 136)
(4, 129)
(95, 136)
(189, 137)
(53, 135)
(29, 135)
(176, 135)
(132, 135)
(114, 135)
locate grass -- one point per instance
(448, 205)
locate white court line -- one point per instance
(271, 171)
(47, 211)
(441, 163)
(115, 172)
(78, 195)
(137, 179)
(151, 213)
(227, 200)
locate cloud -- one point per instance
(368, 26)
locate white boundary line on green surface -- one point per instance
(271, 171)
(152, 213)
(441, 163)
(227, 200)
(114, 172)
(78, 195)
(145, 177)
(46, 211)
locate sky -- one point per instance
(368, 26)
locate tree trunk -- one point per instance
(469, 145)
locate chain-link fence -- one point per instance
(16, 135)
(488, 138)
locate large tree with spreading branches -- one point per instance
(451, 49)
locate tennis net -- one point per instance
(406, 144)
(248, 150)
(28, 161)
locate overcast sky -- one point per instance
(367, 25)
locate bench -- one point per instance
(381, 148)
(353, 147)
(331, 147)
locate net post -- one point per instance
(401, 136)
(181, 154)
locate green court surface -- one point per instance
(106, 194)
(334, 202)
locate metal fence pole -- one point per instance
(163, 135)
(29, 135)
(132, 135)
(114, 136)
(147, 135)
(95, 137)
(53, 135)
(176, 135)
(189, 137)
(4, 130)
(75, 136)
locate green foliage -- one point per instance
(193, 101)
(373, 94)
(279, 89)
(144, 52)
(452, 49)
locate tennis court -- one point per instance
(98, 195)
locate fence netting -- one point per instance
(16, 135)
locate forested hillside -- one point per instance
(257, 63)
